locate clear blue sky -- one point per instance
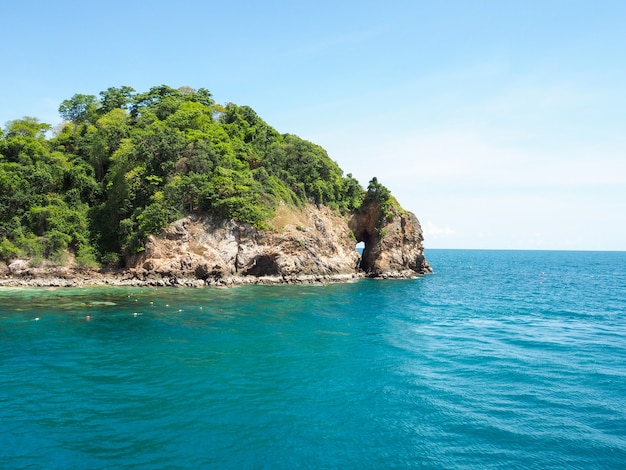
(500, 124)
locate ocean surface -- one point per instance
(500, 359)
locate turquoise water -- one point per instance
(500, 359)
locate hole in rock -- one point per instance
(264, 265)
(360, 248)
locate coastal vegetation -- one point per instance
(126, 164)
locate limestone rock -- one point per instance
(307, 245)
(19, 266)
(393, 245)
(312, 241)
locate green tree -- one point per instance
(129, 163)
(27, 127)
(79, 109)
(115, 98)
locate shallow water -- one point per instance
(497, 360)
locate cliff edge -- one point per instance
(308, 245)
(313, 244)
(393, 242)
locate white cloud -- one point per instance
(433, 231)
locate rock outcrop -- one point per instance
(393, 243)
(306, 245)
(301, 245)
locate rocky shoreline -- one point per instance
(310, 245)
(54, 278)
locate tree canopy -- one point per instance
(126, 164)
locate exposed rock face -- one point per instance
(303, 246)
(393, 246)
(18, 266)
(313, 242)
(310, 242)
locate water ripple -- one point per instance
(498, 360)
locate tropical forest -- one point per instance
(125, 164)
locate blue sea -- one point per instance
(499, 359)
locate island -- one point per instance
(168, 188)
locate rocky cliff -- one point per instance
(302, 245)
(393, 242)
(312, 244)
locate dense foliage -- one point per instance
(126, 164)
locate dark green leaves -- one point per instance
(79, 109)
(128, 163)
